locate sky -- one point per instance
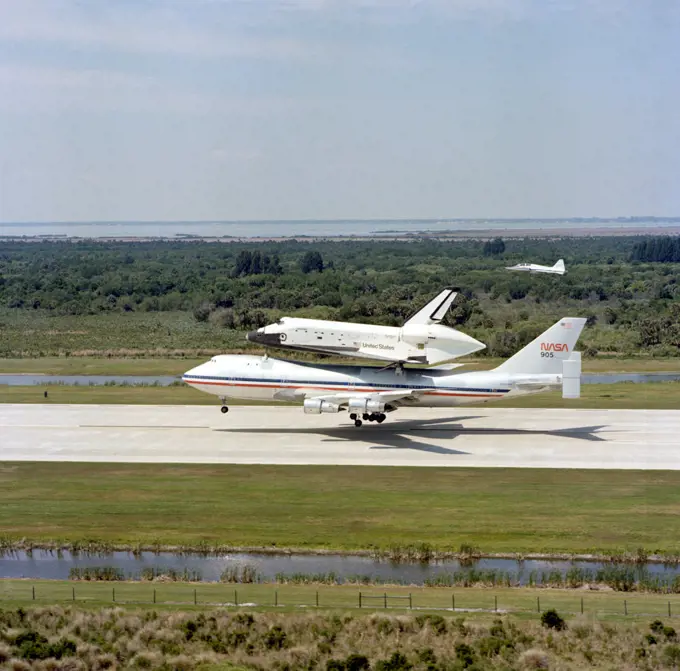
(147, 110)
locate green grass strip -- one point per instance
(343, 507)
(519, 601)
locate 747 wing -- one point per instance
(343, 398)
(370, 405)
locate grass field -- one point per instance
(175, 395)
(652, 395)
(339, 507)
(87, 365)
(525, 602)
(154, 334)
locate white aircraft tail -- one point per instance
(545, 354)
(559, 266)
(435, 310)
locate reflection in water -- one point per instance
(166, 380)
(41, 564)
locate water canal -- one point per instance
(48, 564)
(31, 379)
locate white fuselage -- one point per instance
(535, 268)
(426, 344)
(267, 379)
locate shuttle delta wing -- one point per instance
(435, 310)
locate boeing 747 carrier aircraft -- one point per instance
(548, 362)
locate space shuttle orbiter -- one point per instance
(422, 339)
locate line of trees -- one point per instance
(256, 263)
(665, 249)
(241, 286)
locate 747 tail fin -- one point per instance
(546, 353)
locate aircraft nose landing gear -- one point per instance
(224, 409)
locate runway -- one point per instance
(494, 437)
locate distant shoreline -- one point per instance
(386, 235)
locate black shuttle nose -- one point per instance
(268, 339)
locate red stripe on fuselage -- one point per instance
(275, 385)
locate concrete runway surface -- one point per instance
(628, 439)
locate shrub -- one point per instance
(671, 654)
(181, 663)
(428, 658)
(657, 626)
(244, 619)
(63, 648)
(356, 662)
(202, 312)
(32, 645)
(5, 653)
(275, 639)
(397, 662)
(190, 628)
(552, 620)
(437, 623)
(490, 646)
(465, 654)
(534, 659)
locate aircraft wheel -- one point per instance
(353, 416)
(381, 418)
(224, 409)
(357, 423)
(366, 417)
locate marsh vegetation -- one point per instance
(56, 637)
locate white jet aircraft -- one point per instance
(420, 340)
(557, 269)
(547, 362)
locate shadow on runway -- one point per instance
(395, 435)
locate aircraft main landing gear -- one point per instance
(379, 417)
(224, 409)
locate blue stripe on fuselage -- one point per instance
(322, 383)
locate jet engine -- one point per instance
(364, 405)
(315, 406)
